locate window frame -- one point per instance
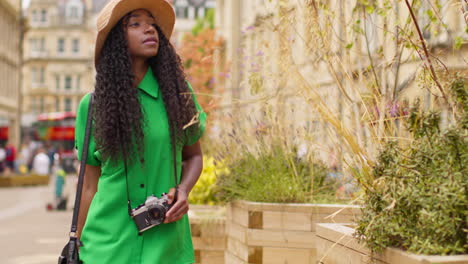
(67, 105)
(76, 45)
(68, 83)
(60, 45)
(43, 18)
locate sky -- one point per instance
(26, 3)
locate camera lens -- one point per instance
(158, 214)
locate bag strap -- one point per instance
(84, 157)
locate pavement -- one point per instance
(28, 233)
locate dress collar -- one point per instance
(149, 84)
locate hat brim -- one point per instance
(110, 15)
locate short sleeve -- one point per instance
(80, 127)
(201, 124)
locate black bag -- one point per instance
(70, 253)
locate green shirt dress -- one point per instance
(109, 234)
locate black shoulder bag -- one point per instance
(69, 253)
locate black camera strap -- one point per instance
(129, 204)
(174, 155)
(84, 157)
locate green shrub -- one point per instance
(275, 175)
(419, 199)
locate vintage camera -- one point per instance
(151, 213)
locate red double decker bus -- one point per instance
(58, 130)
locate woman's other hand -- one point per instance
(192, 159)
(180, 207)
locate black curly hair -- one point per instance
(118, 116)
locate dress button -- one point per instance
(142, 185)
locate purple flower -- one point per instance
(394, 109)
(260, 53)
(224, 74)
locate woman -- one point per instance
(144, 109)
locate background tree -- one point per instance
(196, 50)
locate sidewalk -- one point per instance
(28, 233)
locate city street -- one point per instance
(28, 233)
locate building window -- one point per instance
(42, 75)
(191, 12)
(199, 12)
(68, 82)
(73, 12)
(67, 105)
(182, 12)
(33, 44)
(78, 82)
(61, 45)
(41, 105)
(35, 18)
(76, 45)
(57, 82)
(57, 104)
(43, 15)
(34, 105)
(33, 75)
(42, 45)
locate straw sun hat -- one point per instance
(161, 10)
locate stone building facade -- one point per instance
(187, 14)
(10, 66)
(297, 58)
(58, 50)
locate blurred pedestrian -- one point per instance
(146, 123)
(32, 147)
(23, 157)
(51, 151)
(10, 156)
(41, 162)
(58, 180)
(2, 159)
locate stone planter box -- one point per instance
(23, 180)
(336, 245)
(273, 233)
(207, 224)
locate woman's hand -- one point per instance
(181, 206)
(192, 159)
